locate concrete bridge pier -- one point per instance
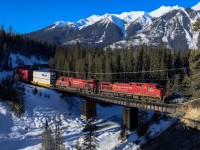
(88, 109)
(130, 117)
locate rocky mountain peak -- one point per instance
(168, 25)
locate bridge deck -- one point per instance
(127, 101)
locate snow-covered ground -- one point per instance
(28, 61)
(26, 132)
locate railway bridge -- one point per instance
(130, 111)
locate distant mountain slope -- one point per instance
(170, 26)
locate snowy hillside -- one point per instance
(16, 59)
(26, 132)
(20, 59)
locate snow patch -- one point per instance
(163, 10)
(88, 21)
(59, 24)
(5, 74)
(3, 110)
(196, 7)
(27, 61)
(130, 16)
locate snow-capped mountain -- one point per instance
(170, 26)
(163, 10)
(196, 7)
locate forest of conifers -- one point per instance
(17, 44)
(143, 64)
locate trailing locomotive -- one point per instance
(48, 79)
(87, 85)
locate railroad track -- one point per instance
(125, 101)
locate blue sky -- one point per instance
(27, 16)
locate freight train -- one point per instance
(48, 78)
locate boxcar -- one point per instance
(23, 73)
(27, 75)
(44, 78)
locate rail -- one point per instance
(126, 101)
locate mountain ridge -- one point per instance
(164, 26)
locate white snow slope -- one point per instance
(26, 132)
(196, 7)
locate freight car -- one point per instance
(44, 78)
(49, 79)
(23, 73)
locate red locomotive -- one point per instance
(133, 89)
(78, 84)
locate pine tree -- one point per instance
(169, 87)
(99, 66)
(195, 78)
(78, 146)
(145, 64)
(139, 63)
(90, 141)
(59, 145)
(116, 64)
(176, 85)
(108, 65)
(48, 142)
(51, 64)
(186, 86)
(196, 27)
(123, 133)
(194, 62)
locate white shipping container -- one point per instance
(44, 75)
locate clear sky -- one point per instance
(26, 16)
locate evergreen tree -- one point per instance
(176, 85)
(195, 78)
(48, 142)
(186, 86)
(90, 141)
(123, 133)
(108, 65)
(35, 91)
(116, 64)
(59, 145)
(169, 87)
(196, 27)
(139, 63)
(195, 65)
(51, 64)
(99, 66)
(145, 65)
